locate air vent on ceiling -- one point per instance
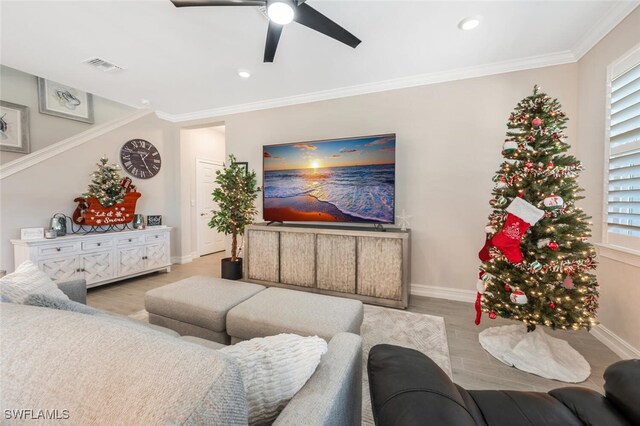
(102, 65)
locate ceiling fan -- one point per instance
(280, 13)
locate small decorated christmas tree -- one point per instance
(106, 184)
(536, 260)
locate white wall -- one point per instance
(204, 143)
(449, 138)
(30, 197)
(619, 282)
(22, 88)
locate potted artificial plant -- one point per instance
(235, 196)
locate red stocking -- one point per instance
(521, 217)
(484, 254)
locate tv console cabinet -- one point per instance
(99, 258)
(360, 263)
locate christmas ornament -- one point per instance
(509, 147)
(492, 315)
(536, 266)
(528, 164)
(568, 283)
(521, 216)
(518, 297)
(502, 183)
(543, 242)
(553, 246)
(480, 286)
(487, 277)
(550, 164)
(501, 201)
(553, 202)
(552, 305)
(489, 229)
(536, 122)
(507, 287)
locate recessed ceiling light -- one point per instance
(280, 12)
(470, 23)
(244, 73)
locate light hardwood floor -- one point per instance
(473, 368)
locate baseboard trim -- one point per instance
(611, 340)
(607, 337)
(180, 260)
(443, 293)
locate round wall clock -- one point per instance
(140, 158)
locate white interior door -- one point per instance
(209, 240)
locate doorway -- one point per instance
(208, 240)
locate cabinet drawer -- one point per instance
(155, 238)
(129, 241)
(92, 245)
(58, 249)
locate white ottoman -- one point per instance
(276, 310)
(197, 306)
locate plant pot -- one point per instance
(231, 270)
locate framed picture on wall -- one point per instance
(64, 101)
(243, 165)
(14, 127)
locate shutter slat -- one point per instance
(623, 190)
(626, 102)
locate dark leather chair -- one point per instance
(407, 388)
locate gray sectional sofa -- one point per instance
(104, 369)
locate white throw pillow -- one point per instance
(274, 369)
(26, 280)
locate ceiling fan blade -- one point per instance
(273, 37)
(309, 17)
(190, 3)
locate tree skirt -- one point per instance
(535, 352)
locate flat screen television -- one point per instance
(335, 180)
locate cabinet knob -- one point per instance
(129, 239)
(156, 236)
(57, 248)
(99, 244)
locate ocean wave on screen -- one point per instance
(366, 192)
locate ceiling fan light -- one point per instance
(280, 12)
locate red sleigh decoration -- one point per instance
(91, 212)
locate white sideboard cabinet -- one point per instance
(99, 258)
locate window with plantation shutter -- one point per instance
(623, 187)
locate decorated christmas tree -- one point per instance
(536, 261)
(106, 184)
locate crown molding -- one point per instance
(603, 27)
(531, 62)
(58, 148)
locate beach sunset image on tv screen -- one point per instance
(339, 180)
